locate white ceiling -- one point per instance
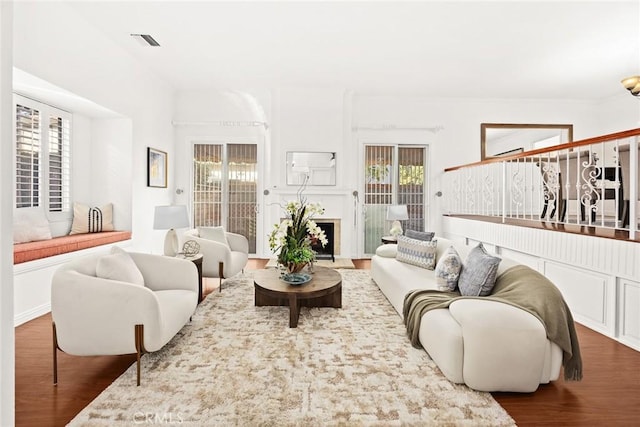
(507, 49)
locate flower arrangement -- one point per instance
(294, 236)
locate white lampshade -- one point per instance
(169, 218)
(397, 212)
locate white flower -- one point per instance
(293, 209)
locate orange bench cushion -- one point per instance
(23, 252)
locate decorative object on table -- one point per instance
(156, 168)
(292, 238)
(225, 254)
(397, 213)
(296, 278)
(190, 248)
(170, 218)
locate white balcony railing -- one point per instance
(593, 182)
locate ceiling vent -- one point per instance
(145, 40)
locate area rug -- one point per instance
(240, 365)
(339, 263)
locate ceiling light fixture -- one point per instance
(145, 40)
(632, 84)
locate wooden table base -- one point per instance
(324, 290)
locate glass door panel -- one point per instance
(378, 193)
(411, 185)
(242, 183)
(207, 185)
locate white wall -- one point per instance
(618, 113)
(110, 182)
(7, 354)
(54, 43)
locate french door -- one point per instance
(225, 182)
(393, 174)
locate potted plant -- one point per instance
(292, 238)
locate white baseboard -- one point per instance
(31, 314)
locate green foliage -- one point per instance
(292, 237)
(377, 173)
(411, 175)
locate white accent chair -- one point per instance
(220, 259)
(94, 316)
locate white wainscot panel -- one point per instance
(590, 296)
(523, 258)
(629, 315)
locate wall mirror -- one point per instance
(503, 139)
(318, 168)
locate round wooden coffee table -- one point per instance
(323, 290)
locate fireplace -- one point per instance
(329, 228)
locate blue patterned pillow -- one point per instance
(420, 235)
(417, 252)
(448, 270)
(478, 274)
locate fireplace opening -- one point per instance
(328, 251)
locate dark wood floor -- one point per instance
(608, 395)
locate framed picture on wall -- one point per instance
(156, 168)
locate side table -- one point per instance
(389, 239)
(197, 260)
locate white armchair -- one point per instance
(98, 316)
(224, 254)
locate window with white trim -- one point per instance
(43, 156)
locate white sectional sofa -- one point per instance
(485, 344)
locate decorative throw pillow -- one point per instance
(448, 270)
(478, 274)
(88, 219)
(213, 233)
(420, 235)
(29, 225)
(119, 265)
(387, 251)
(417, 252)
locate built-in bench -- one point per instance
(30, 251)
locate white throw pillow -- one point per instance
(417, 252)
(119, 266)
(88, 219)
(387, 251)
(29, 225)
(448, 270)
(213, 233)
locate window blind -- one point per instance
(59, 164)
(43, 156)
(27, 156)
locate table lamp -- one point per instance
(170, 218)
(397, 213)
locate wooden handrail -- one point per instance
(588, 141)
